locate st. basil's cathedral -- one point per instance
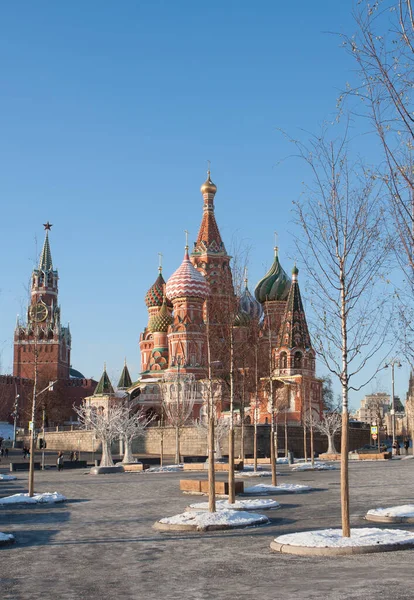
(175, 338)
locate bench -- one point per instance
(134, 467)
(238, 466)
(200, 486)
(24, 466)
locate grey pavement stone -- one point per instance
(101, 544)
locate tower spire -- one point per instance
(45, 262)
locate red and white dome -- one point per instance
(187, 282)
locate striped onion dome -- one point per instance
(275, 285)
(187, 282)
(160, 322)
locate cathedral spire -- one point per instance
(45, 262)
(104, 386)
(294, 331)
(209, 239)
(125, 380)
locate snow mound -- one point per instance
(318, 466)
(405, 510)
(202, 520)
(240, 474)
(7, 477)
(251, 468)
(282, 461)
(47, 497)
(284, 488)
(167, 469)
(6, 537)
(253, 504)
(332, 538)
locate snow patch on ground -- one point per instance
(332, 538)
(166, 469)
(7, 477)
(47, 497)
(405, 510)
(318, 466)
(254, 474)
(203, 519)
(262, 488)
(6, 537)
(253, 504)
(282, 461)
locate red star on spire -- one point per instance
(48, 226)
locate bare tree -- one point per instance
(104, 423)
(329, 425)
(383, 48)
(179, 391)
(344, 250)
(132, 424)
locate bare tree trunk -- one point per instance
(255, 416)
(231, 429)
(106, 459)
(346, 530)
(286, 437)
(128, 456)
(210, 412)
(177, 445)
(331, 444)
(305, 443)
(162, 446)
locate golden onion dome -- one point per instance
(208, 186)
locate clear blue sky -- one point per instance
(108, 113)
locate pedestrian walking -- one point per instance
(406, 445)
(59, 461)
(71, 456)
(6, 452)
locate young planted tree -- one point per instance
(179, 391)
(383, 95)
(104, 423)
(343, 246)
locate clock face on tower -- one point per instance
(38, 312)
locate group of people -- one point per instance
(396, 446)
(73, 456)
(4, 450)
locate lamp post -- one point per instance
(15, 415)
(393, 363)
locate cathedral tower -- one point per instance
(43, 340)
(209, 255)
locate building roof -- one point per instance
(249, 308)
(104, 386)
(45, 262)
(162, 320)
(275, 285)
(155, 294)
(187, 281)
(209, 239)
(125, 380)
(294, 332)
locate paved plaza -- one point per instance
(101, 545)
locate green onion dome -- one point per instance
(160, 322)
(275, 285)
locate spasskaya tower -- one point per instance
(42, 339)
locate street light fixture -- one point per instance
(393, 363)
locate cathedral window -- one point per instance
(297, 360)
(283, 360)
